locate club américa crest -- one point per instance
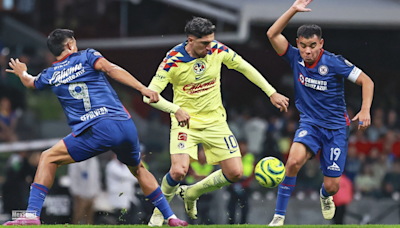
(199, 67)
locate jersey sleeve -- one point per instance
(346, 69)
(92, 56)
(162, 77)
(230, 58)
(41, 81)
(290, 54)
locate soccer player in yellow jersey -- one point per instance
(194, 70)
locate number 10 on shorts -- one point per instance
(231, 142)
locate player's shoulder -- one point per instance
(336, 58)
(174, 57)
(218, 47)
(90, 51)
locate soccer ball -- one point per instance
(270, 172)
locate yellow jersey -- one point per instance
(196, 82)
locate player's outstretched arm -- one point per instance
(19, 68)
(119, 74)
(364, 116)
(274, 33)
(166, 106)
(278, 100)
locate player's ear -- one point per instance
(70, 45)
(297, 42)
(321, 42)
(190, 38)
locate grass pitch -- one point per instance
(219, 226)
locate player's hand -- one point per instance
(183, 118)
(17, 67)
(300, 5)
(152, 95)
(364, 119)
(279, 101)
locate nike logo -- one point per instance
(302, 63)
(233, 151)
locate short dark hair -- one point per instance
(199, 27)
(56, 40)
(309, 30)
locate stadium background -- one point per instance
(136, 35)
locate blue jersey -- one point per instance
(84, 93)
(319, 88)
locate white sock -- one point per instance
(172, 217)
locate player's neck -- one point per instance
(191, 52)
(65, 53)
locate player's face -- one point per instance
(310, 48)
(201, 46)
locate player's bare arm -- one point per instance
(279, 101)
(19, 68)
(119, 74)
(364, 116)
(274, 33)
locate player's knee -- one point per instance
(178, 173)
(234, 176)
(46, 156)
(331, 188)
(293, 165)
(138, 170)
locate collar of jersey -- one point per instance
(179, 54)
(58, 61)
(316, 61)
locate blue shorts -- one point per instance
(332, 143)
(120, 136)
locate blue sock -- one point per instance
(158, 200)
(323, 192)
(171, 181)
(285, 190)
(36, 198)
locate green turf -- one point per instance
(220, 226)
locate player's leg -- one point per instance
(153, 192)
(220, 146)
(306, 144)
(183, 147)
(49, 161)
(128, 152)
(333, 158)
(298, 156)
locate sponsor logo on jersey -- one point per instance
(66, 75)
(334, 167)
(348, 63)
(181, 145)
(303, 133)
(323, 70)
(319, 85)
(302, 63)
(97, 53)
(199, 67)
(182, 136)
(193, 88)
(301, 78)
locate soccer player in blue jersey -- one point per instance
(319, 96)
(98, 120)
